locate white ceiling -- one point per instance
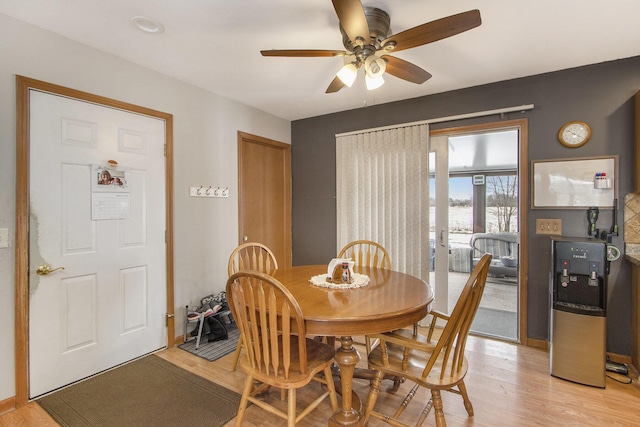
(482, 152)
(215, 44)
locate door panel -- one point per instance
(440, 170)
(264, 170)
(79, 302)
(78, 231)
(133, 232)
(133, 294)
(108, 304)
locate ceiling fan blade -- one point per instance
(405, 70)
(352, 18)
(435, 30)
(335, 85)
(304, 53)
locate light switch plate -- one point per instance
(4, 237)
(549, 226)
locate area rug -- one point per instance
(214, 350)
(145, 392)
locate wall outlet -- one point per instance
(549, 226)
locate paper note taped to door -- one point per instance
(110, 206)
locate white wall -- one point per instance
(205, 153)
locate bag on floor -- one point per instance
(217, 330)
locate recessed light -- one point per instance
(148, 25)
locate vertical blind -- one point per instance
(383, 193)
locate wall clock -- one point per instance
(574, 134)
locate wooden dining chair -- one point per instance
(435, 366)
(278, 353)
(250, 256)
(366, 253)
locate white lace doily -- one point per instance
(359, 280)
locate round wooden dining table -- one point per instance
(390, 300)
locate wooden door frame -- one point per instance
(23, 85)
(243, 136)
(523, 206)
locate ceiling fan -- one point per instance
(366, 38)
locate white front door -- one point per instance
(108, 304)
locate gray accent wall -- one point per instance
(599, 94)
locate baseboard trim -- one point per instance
(619, 358)
(542, 344)
(178, 340)
(7, 405)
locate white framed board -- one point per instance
(577, 183)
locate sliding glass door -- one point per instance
(439, 221)
(474, 209)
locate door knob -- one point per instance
(245, 238)
(43, 270)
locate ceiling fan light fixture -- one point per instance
(348, 74)
(389, 46)
(375, 66)
(373, 83)
(367, 38)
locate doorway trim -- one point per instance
(21, 274)
(523, 197)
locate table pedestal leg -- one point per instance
(347, 358)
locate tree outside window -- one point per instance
(502, 200)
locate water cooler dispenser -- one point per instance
(578, 310)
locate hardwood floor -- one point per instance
(509, 385)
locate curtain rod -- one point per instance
(520, 108)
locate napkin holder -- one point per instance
(334, 272)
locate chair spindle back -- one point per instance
(266, 314)
(453, 340)
(252, 256)
(366, 253)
